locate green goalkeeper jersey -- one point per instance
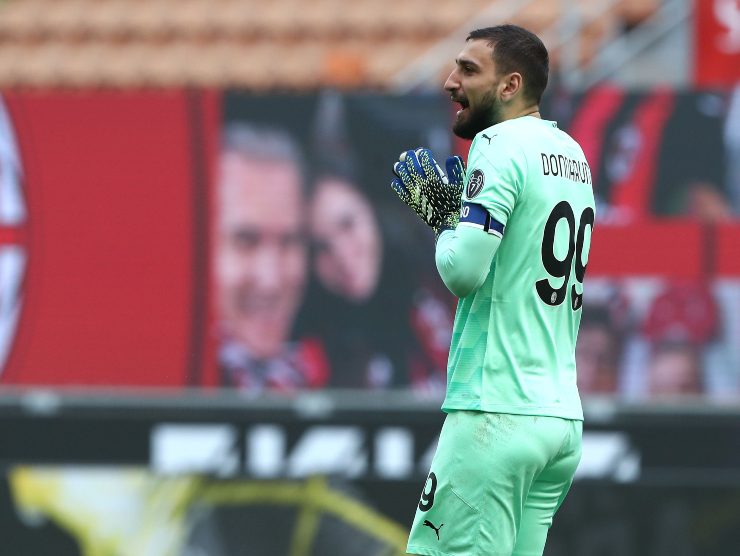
(514, 337)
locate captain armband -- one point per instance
(476, 216)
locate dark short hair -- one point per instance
(516, 49)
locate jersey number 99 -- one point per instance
(561, 268)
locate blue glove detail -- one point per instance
(455, 170)
(427, 190)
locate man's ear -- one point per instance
(512, 85)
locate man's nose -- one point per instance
(266, 269)
(452, 82)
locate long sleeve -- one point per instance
(464, 257)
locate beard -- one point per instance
(474, 120)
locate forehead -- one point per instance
(478, 52)
(332, 195)
(252, 188)
(336, 203)
(252, 176)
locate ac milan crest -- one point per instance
(475, 183)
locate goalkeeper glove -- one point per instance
(434, 196)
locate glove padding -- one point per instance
(432, 194)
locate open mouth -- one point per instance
(463, 106)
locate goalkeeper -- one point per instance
(513, 234)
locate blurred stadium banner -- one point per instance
(326, 474)
(717, 42)
(145, 514)
(107, 249)
(115, 187)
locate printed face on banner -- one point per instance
(260, 253)
(347, 239)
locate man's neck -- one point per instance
(532, 110)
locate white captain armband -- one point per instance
(476, 216)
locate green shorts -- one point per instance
(495, 483)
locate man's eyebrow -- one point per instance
(465, 62)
